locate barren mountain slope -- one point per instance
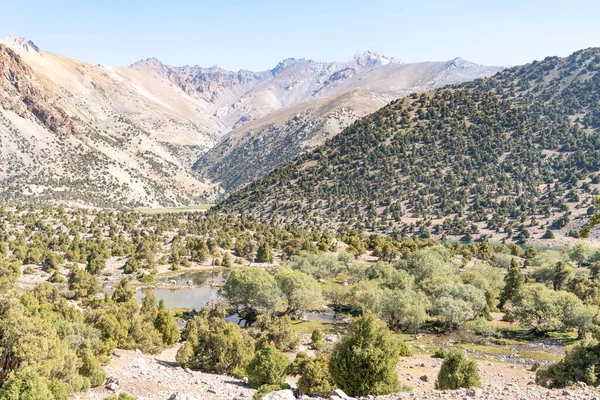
(94, 92)
(68, 133)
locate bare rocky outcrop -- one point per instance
(22, 91)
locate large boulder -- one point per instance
(280, 395)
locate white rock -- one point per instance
(340, 393)
(113, 387)
(139, 363)
(280, 395)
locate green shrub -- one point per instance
(264, 254)
(268, 366)
(316, 379)
(266, 389)
(90, 366)
(27, 384)
(226, 262)
(130, 266)
(146, 278)
(277, 331)
(123, 292)
(404, 350)
(457, 372)
(165, 324)
(57, 278)
(32, 340)
(82, 283)
(513, 284)
(440, 353)
(316, 335)
(215, 346)
(483, 328)
(370, 351)
(316, 339)
(580, 364)
(58, 389)
(298, 367)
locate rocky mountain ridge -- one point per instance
(238, 97)
(129, 136)
(334, 101)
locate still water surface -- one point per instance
(195, 289)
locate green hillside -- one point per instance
(512, 154)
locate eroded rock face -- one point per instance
(23, 92)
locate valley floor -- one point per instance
(158, 377)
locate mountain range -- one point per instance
(511, 157)
(155, 135)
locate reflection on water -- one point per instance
(197, 278)
(201, 289)
(195, 297)
(194, 289)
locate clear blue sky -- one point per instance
(257, 34)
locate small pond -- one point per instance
(193, 297)
(191, 289)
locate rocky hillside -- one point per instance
(28, 94)
(508, 156)
(84, 134)
(129, 136)
(335, 96)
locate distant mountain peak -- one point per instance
(372, 59)
(20, 43)
(461, 63)
(283, 64)
(150, 62)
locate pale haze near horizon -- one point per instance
(256, 35)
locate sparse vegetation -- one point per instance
(347, 244)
